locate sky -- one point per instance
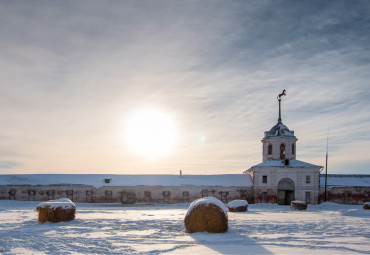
(73, 73)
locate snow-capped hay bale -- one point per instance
(298, 205)
(238, 206)
(58, 210)
(367, 206)
(206, 214)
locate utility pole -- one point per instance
(326, 165)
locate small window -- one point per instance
(204, 193)
(308, 179)
(264, 179)
(308, 196)
(264, 197)
(12, 192)
(223, 194)
(69, 192)
(185, 194)
(88, 193)
(293, 149)
(31, 192)
(147, 194)
(109, 193)
(50, 192)
(166, 193)
(243, 194)
(269, 149)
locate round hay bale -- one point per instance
(298, 205)
(206, 214)
(238, 206)
(367, 206)
(56, 210)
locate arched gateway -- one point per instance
(285, 191)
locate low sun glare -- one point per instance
(150, 133)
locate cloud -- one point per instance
(71, 72)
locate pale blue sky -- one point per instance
(72, 71)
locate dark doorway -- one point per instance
(285, 191)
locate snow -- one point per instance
(64, 203)
(237, 203)
(299, 202)
(279, 130)
(98, 180)
(280, 163)
(345, 180)
(207, 200)
(326, 228)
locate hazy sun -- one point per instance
(150, 132)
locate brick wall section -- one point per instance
(109, 194)
(346, 195)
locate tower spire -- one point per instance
(279, 99)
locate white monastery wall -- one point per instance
(124, 194)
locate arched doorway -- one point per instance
(285, 191)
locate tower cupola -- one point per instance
(279, 143)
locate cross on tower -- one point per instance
(279, 99)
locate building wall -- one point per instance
(346, 195)
(140, 194)
(297, 175)
(275, 142)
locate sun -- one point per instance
(150, 132)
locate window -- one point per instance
(185, 196)
(12, 192)
(50, 192)
(264, 197)
(223, 194)
(69, 192)
(308, 179)
(88, 193)
(293, 149)
(166, 193)
(269, 152)
(108, 193)
(31, 192)
(264, 179)
(204, 193)
(147, 194)
(166, 196)
(243, 194)
(308, 196)
(282, 151)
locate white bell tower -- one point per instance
(279, 143)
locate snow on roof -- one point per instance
(345, 180)
(280, 163)
(279, 130)
(98, 180)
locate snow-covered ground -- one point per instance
(154, 229)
